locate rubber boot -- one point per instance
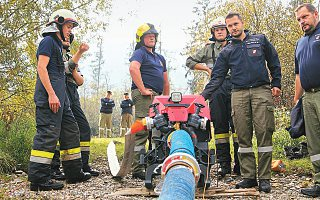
(56, 173)
(85, 164)
(224, 159)
(47, 186)
(236, 167)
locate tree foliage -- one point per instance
(21, 22)
(273, 18)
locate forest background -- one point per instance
(21, 22)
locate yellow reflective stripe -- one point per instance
(221, 135)
(84, 144)
(85, 148)
(67, 157)
(43, 154)
(70, 151)
(235, 135)
(40, 160)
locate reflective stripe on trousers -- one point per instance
(70, 154)
(85, 146)
(245, 150)
(265, 149)
(315, 158)
(42, 157)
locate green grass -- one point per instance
(300, 166)
(98, 147)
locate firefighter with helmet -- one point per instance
(149, 78)
(220, 101)
(54, 118)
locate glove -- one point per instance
(71, 65)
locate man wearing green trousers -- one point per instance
(251, 97)
(307, 80)
(149, 78)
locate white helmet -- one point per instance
(52, 28)
(219, 23)
(63, 16)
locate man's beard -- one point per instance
(237, 35)
(309, 30)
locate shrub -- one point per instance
(17, 142)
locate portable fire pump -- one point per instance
(177, 112)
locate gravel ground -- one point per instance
(283, 187)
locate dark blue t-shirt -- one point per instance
(53, 49)
(152, 68)
(307, 59)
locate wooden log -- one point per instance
(210, 192)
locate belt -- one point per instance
(313, 90)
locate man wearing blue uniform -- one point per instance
(251, 98)
(54, 118)
(148, 71)
(307, 85)
(126, 113)
(105, 124)
(75, 79)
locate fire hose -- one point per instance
(180, 169)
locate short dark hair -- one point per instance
(109, 92)
(232, 14)
(126, 94)
(308, 6)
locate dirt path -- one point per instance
(283, 187)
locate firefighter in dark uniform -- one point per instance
(250, 58)
(54, 118)
(220, 100)
(75, 79)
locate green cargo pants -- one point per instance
(311, 111)
(253, 109)
(142, 104)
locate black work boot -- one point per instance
(224, 169)
(49, 185)
(84, 176)
(85, 164)
(247, 183)
(224, 159)
(236, 167)
(264, 185)
(91, 171)
(312, 192)
(57, 175)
